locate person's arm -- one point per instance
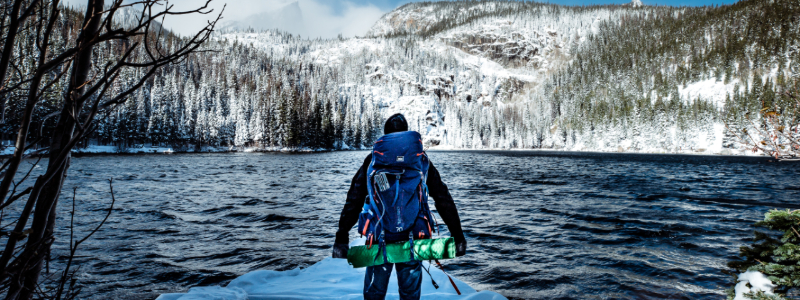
(352, 207)
(446, 208)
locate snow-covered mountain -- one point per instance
(129, 17)
(487, 74)
(289, 17)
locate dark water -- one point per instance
(539, 225)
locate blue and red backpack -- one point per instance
(397, 206)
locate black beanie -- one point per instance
(395, 123)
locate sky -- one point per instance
(329, 18)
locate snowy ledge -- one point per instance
(328, 279)
(98, 149)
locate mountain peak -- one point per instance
(287, 18)
(636, 3)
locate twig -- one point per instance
(74, 245)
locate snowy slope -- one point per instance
(327, 279)
(533, 35)
(470, 75)
(480, 64)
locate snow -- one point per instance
(485, 66)
(98, 149)
(447, 83)
(709, 90)
(757, 281)
(335, 54)
(8, 151)
(715, 145)
(475, 85)
(327, 279)
(208, 293)
(104, 149)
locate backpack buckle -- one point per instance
(383, 183)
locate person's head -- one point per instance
(395, 123)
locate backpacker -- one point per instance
(397, 206)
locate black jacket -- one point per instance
(358, 193)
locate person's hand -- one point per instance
(461, 248)
(340, 250)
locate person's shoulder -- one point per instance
(430, 161)
(368, 159)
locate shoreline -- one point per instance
(114, 150)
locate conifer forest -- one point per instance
(468, 75)
(571, 222)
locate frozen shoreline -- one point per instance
(107, 150)
(327, 279)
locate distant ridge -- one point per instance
(288, 18)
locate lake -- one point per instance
(540, 225)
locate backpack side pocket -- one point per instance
(367, 220)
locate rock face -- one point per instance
(494, 30)
(515, 50)
(407, 19)
(506, 45)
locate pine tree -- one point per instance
(776, 254)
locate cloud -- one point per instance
(320, 18)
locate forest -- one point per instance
(468, 74)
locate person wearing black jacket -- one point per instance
(409, 274)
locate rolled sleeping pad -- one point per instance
(427, 249)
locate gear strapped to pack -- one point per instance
(397, 173)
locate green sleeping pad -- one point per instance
(428, 249)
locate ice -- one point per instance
(758, 282)
(328, 279)
(101, 149)
(208, 293)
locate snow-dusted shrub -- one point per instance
(774, 253)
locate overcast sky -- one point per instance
(328, 18)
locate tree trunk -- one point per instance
(40, 239)
(8, 49)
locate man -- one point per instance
(409, 275)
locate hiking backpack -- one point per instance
(397, 206)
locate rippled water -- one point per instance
(539, 225)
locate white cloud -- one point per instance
(320, 19)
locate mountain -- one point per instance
(482, 75)
(288, 18)
(128, 17)
(499, 74)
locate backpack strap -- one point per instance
(441, 267)
(397, 185)
(411, 242)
